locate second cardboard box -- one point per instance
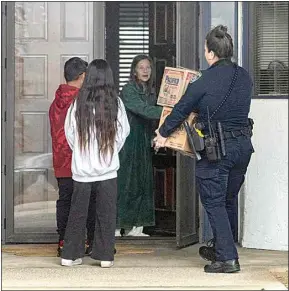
(178, 140)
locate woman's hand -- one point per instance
(159, 141)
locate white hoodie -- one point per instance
(86, 165)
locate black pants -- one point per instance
(105, 222)
(235, 182)
(65, 186)
(218, 184)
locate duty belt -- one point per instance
(235, 133)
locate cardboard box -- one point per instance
(174, 84)
(178, 140)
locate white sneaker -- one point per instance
(137, 231)
(70, 263)
(131, 232)
(117, 232)
(106, 264)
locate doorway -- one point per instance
(153, 28)
(40, 37)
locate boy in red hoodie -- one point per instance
(74, 73)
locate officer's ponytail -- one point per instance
(220, 42)
(220, 31)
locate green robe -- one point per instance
(135, 176)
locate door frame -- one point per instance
(187, 55)
(8, 111)
(3, 117)
(9, 124)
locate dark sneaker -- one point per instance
(230, 266)
(88, 247)
(59, 248)
(208, 252)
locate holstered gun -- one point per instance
(191, 140)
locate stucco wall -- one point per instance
(265, 217)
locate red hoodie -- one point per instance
(62, 153)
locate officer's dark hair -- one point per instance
(73, 68)
(220, 42)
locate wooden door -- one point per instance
(162, 49)
(174, 42)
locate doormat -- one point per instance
(31, 250)
(50, 250)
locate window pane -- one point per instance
(271, 48)
(224, 13)
(133, 35)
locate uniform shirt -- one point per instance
(209, 91)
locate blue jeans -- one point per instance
(218, 184)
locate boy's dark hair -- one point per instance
(220, 42)
(73, 68)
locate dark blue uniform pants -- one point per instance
(234, 186)
(218, 184)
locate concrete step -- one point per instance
(90, 276)
(137, 267)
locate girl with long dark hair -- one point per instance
(96, 127)
(135, 184)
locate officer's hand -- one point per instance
(159, 141)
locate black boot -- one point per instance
(88, 247)
(230, 266)
(208, 252)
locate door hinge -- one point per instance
(198, 223)
(4, 223)
(5, 63)
(5, 170)
(5, 116)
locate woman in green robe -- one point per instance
(135, 176)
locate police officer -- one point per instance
(222, 95)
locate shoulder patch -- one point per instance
(195, 77)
